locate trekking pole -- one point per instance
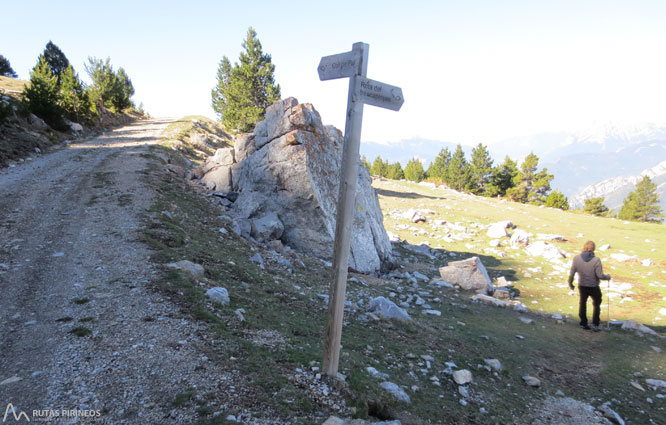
(608, 308)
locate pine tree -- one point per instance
(502, 178)
(530, 186)
(379, 167)
(248, 88)
(123, 90)
(556, 199)
(365, 162)
(56, 60)
(439, 168)
(6, 68)
(219, 92)
(642, 204)
(458, 171)
(414, 170)
(395, 172)
(42, 95)
(73, 98)
(481, 167)
(595, 206)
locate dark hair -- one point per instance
(589, 246)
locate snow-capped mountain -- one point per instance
(616, 189)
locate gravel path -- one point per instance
(70, 256)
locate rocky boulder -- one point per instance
(498, 230)
(519, 239)
(544, 249)
(287, 171)
(469, 274)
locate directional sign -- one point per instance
(342, 65)
(375, 93)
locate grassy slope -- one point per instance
(587, 366)
(641, 239)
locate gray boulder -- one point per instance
(267, 228)
(289, 166)
(397, 392)
(218, 294)
(387, 309)
(519, 239)
(544, 249)
(469, 274)
(498, 230)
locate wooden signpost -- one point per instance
(362, 90)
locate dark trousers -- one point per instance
(595, 293)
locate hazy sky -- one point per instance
(471, 71)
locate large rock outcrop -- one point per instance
(288, 170)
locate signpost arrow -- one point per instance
(374, 93)
(362, 90)
(342, 65)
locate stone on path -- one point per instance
(637, 327)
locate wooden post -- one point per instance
(344, 218)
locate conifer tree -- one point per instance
(365, 162)
(379, 167)
(248, 88)
(56, 60)
(595, 206)
(556, 199)
(73, 97)
(123, 90)
(439, 168)
(458, 170)
(530, 186)
(642, 204)
(42, 95)
(481, 166)
(395, 172)
(502, 178)
(6, 68)
(219, 93)
(414, 170)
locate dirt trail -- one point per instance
(70, 257)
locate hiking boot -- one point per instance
(586, 327)
(595, 328)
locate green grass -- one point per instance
(624, 237)
(555, 353)
(81, 300)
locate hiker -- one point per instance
(590, 273)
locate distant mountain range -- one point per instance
(615, 190)
(576, 159)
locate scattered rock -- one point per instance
(387, 309)
(609, 413)
(519, 239)
(488, 300)
(637, 327)
(525, 320)
(494, 364)
(544, 249)
(637, 386)
(11, 380)
(469, 274)
(396, 392)
(623, 258)
(498, 230)
(256, 258)
(219, 294)
(605, 247)
(462, 377)
(375, 373)
(188, 266)
(414, 216)
(656, 384)
(532, 381)
(267, 228)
